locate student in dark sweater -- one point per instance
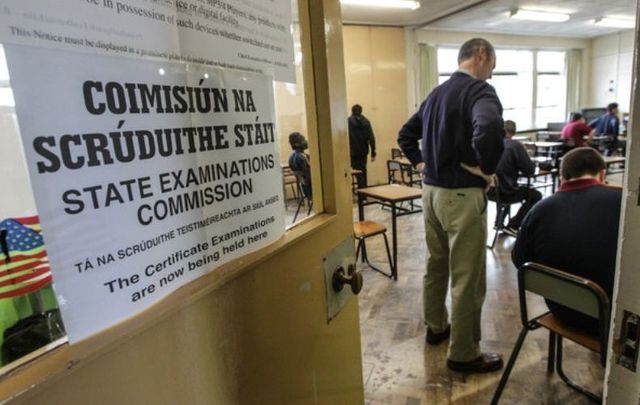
(299, 162)
(361, 139)
(609, 125)
(514, 161)
(576, 229)
(461, 130)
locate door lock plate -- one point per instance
(342, 256)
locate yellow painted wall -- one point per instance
(376, 73)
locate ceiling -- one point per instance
(493, 16)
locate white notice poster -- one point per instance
(253, 35)
(146, 174)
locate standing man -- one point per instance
(360, 138)
(608, 125)
(461, 128)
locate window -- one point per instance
(291, 117)
(29, 314)
(512, 81)
(531, 84)
(551, 89)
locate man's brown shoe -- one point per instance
(486, 363)
(437, 338)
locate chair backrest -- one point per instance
(555, 126)
(577, 293)
(531, 148)
(394, 168)
(303, 180)
(396, 153)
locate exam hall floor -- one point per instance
(399, 368)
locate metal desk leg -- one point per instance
(361, 218)
(394, 237)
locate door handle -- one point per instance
(351, 277)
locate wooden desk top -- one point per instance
(541, 159)
(545, 144)
(391, 192)
(403, 161)
(614, 159)
(539, 173)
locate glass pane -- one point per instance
(545, 115)
(551, 61)
(26, 305)
(551, 99)
(512, 80)
(4, 70)
(508, 60)
(447, 60)
(6, 97)
(291, 118)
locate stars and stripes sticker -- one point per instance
(24, 265)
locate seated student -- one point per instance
(576, 229)
(574, 131)
(299, 161)
(515, 160)
(609, 125)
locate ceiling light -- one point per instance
(407, 4)
(538, 16)
(615, 22)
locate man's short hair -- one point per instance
(296, 140)
(473, 46)
(575, 116)
(356, 109)
(580, 162)
(612, 106)
(510, 127)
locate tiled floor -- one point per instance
(400, 369)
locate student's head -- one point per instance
(612, 108)
(584, 162)
(356, 109)
(298, 142)
(478, 56)
(576, 116)
(509, 128)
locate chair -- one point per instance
(574, 292)
(303, 186)
(396, 153)
(354, 179)
(289, 179)
(366, 229)
(531, 148)
(503, 211)
(395, 175)
(401, 173)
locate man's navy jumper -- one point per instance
(459, 122)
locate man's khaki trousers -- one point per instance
(456, 234)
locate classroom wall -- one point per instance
(376, 74)
(612, 63)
